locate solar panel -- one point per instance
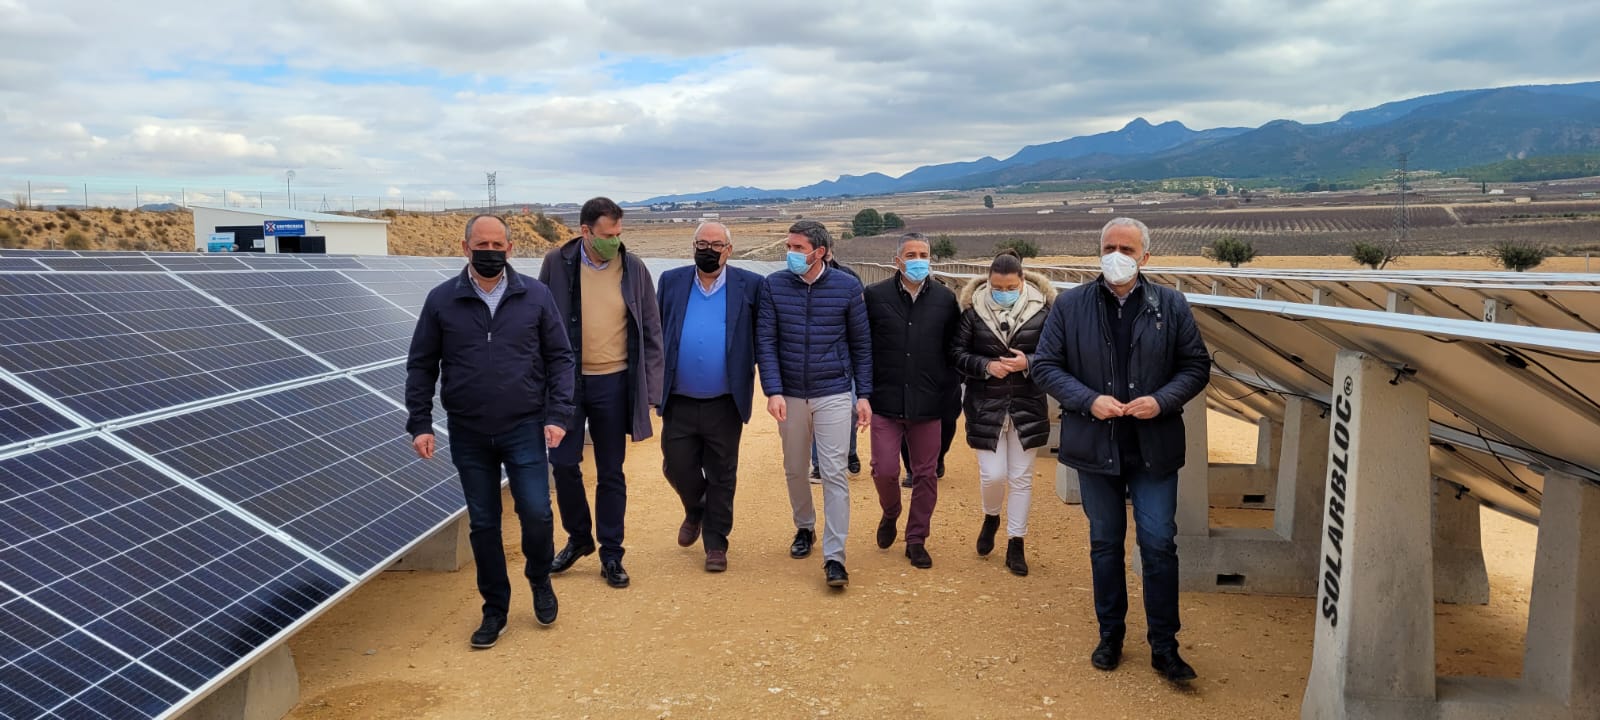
(37, 253)
(25, 418)
(321, 311)
(115, 345)
(262, 261)
(124, 263)
(217, 261)
(331, 263)
(390, 380)
(126, 592)
(24, 264)
(329, 463)
(406, 288)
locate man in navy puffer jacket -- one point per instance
(812, 345)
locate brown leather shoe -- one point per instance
(716, 560)
(688, 533)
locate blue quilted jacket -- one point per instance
(812, 340)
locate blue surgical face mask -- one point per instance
(798, 264)
(917, 270)
(1005, 298)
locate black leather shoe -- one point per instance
(991, 524)
(1016, 562)
(1171, 666)
(816, 476)
(907, 481)
(939, 472)
(1108, 654)
(570, 555)
(886, 532)
(837, 577)
(801, 547)
(855, 464)
(919, 556)
(489, 632)
(544, 602)
(615, 576)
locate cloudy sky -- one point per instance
(634, 98)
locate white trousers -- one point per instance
(1007, 472)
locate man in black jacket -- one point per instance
(614, 324)
(507, 401)
(1123, 356)
(913, 321)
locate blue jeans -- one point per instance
(1155, 507)
(478, 459)
(602, 401)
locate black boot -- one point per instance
(1015, 562)
(991, 523)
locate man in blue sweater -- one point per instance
(812, 343)
(507, 391)
(708, 320)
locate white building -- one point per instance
(317, 232)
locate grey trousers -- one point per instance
(828, 421)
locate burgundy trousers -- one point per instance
(922, 437)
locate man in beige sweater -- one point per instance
(609, 305)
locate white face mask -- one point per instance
(1119, 269)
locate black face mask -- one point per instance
(708, 260)
(489, 263)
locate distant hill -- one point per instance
(1443, 131)
(7, 205)
(161, 207)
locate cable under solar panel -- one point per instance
(329, 463)
(125, 592)
(24, 418)
(112, 345)
(322, 311)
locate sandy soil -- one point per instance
(767, 639)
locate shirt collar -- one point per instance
(825, 270)
(583, 252)
(908, 291)
(722, 279)
(498, 286)
(1138, 282)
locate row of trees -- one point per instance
(868, 223)
(1511, 255)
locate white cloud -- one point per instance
(413, 98)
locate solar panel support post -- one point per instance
(447, 550)
(1400, 303)
(1373, 655)
(1459, 576)
(1323, 297)
(1562, 658)
(1279, 561)
(1498, 311)
(267, 690)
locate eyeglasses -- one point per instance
(703, 245)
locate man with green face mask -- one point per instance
(612, 318)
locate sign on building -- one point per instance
(284, 228)
(220, 242)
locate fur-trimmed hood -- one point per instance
(1037, 280)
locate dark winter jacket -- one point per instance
(741, 290)
(560, 272)
(812, 341)
(990, 400)
(910, 348)
(498, 372)
(1075, 364)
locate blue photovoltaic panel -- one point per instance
(151, 589)
(25, 264)
(111, 345)
(406, 288)
(322, 311)
(263, 261)
(214, 261)
(329, 463)
(49, 669)
(391, 381)
(103, 263)
(333, 263)
(37, 253)
(24, 418)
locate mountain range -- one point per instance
(1443, 131)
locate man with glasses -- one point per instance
(708, 315)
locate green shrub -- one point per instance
(893, 221)
(75, 240)
(1024, 248)
(1518, 256)
(943, 248)
(867, 222)
(1231, 250)
(1372, 255)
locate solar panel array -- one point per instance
(200, 452)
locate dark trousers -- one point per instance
(923, 437)
(478, 459)
(947, 429)
(602, 401)
(1155, 507)
(700, 457)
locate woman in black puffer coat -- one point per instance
(1008, 418)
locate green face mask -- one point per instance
(607, 248)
